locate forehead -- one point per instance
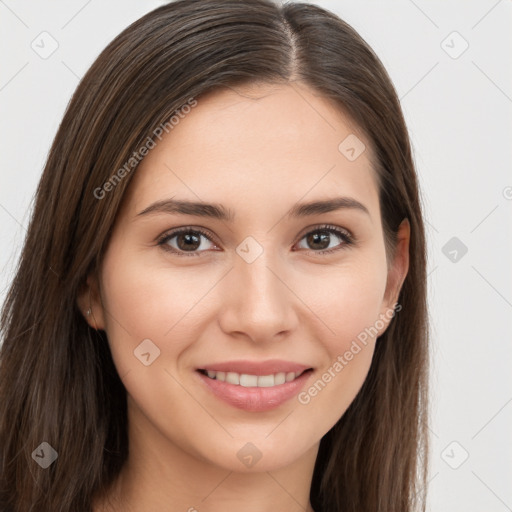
(258, 144)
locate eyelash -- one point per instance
(344, 235)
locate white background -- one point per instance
(458, 112)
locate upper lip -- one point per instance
(268, 367)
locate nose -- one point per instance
(258, 303)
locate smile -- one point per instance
(253, 386)
(253, 381)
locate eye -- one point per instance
(186, 242)
(190, 241)
(321, 239)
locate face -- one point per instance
(253, 320)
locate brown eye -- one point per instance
(190, 242)
(323, 239)
(319, 240)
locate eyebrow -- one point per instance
(217, 211)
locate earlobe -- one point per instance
(89, 303)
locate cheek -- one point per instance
(144, 299)
(349, 300)
(350, 304)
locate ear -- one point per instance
(90, 304)
(397, 272)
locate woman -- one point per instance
(221, 300)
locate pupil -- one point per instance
(191, 242)
(322, 238)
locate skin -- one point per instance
(257, 151)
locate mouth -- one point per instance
(255, 387)
(247, 380)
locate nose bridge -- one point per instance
(258, 284)
(257, 301)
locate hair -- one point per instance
(58, 382)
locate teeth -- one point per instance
(280, 378)
(252, 381)
(248, 381)
(233, 378)
(265, 381)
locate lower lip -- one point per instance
(255, 399)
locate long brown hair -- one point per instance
(58, 383)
